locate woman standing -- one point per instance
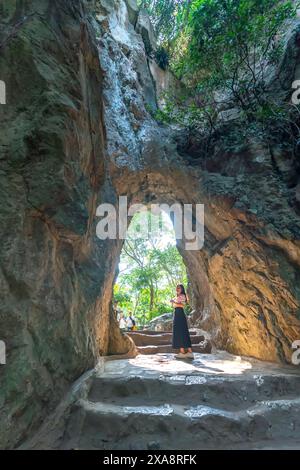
(181, 336)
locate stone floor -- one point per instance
(157, 402)
(220, 363)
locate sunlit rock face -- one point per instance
(55, 277)
(166, 84)
(78, 130)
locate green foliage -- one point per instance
(165, 16)
(149, 271)
(208, 40)
(232, 44)
(224, 52)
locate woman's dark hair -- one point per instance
(182, 288)
(183, 291)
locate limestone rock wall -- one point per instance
(52, 168)
(166, 84)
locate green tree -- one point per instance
(165, 16)
(149, 272)
(225, 51)
(232, 44)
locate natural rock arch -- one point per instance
(158, 188)
(237, 292)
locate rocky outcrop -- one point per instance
(145, 29)
(52, 168)
(77, 131)
(164, 322)
(166, 84)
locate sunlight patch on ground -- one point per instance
(201, 364)
(202, 369)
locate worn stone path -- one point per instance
(217, 401)
(154, 342)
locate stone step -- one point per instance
(203, 347)
(153, 332)
(230, 394)
(168, 426)
(141, 339)
(216, 401)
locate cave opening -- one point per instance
(144, 270)
(150, 267)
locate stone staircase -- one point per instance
(154, 342)
(152, 402)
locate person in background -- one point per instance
(131, 322)
(122, 322)
(134, 327)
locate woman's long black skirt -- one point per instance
(181, 335)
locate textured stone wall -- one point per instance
(52, 168)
